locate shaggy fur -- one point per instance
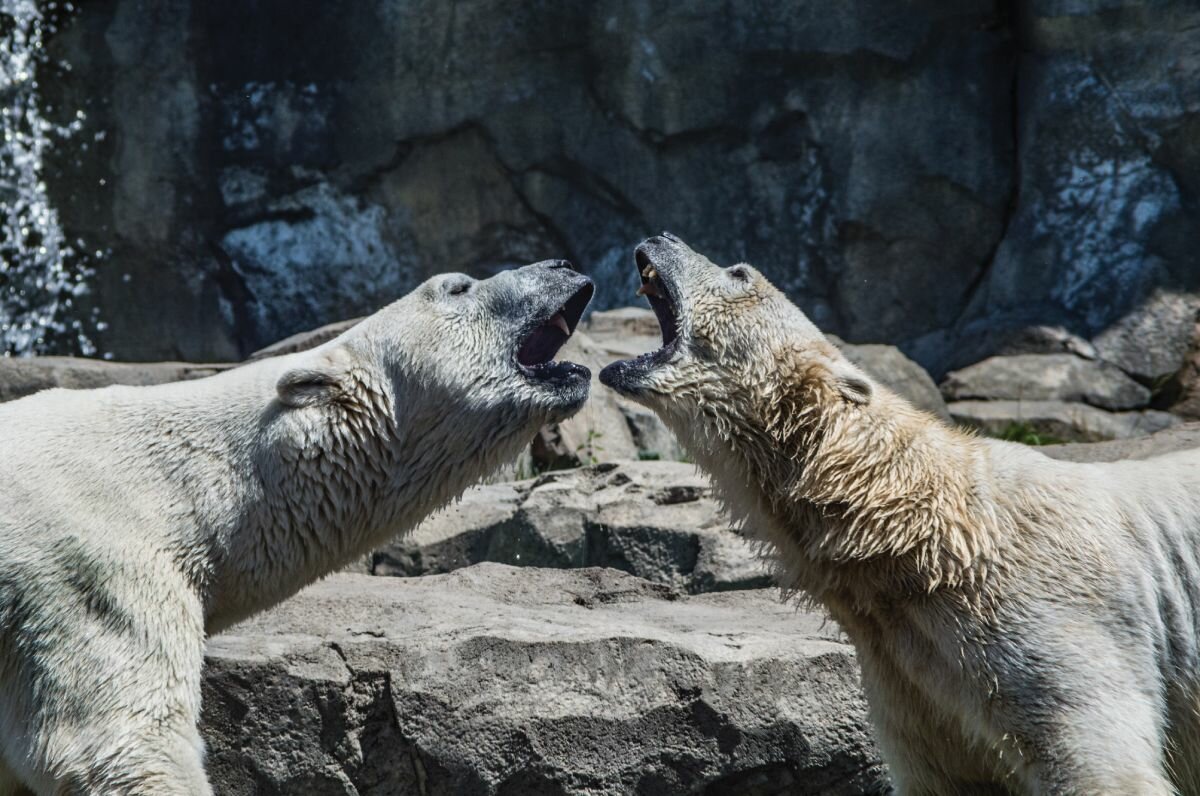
(134, 521)
(1024, 625)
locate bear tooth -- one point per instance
(650, 272)
(561, 322)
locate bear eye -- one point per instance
(740, 273)
(457, 288)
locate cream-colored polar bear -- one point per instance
(1023, 625)
(134, 521)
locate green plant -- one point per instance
(1024, 433)
(649, 456)
(588, 449)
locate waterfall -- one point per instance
(42, 275)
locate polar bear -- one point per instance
(1023, 625)
(136, 520)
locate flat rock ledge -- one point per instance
(1182, 437)
(1069, 422)
(503, 680)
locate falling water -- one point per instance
(42, 276)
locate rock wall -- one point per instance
(938, 174)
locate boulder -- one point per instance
(598, 432)
(651, 435)
(21, 376)
(621, 334)
(1186, 401)
(302, 341)
(1041, 339)
(1046, 377)
(1176, 438)
(1058, 420)
(1151, 340)
(656, 520)
(497, 680)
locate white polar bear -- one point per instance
(1024, 625)
(136, 520)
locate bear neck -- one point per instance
(347, 479)
(862, 501)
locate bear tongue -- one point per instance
(543, 343)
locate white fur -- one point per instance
(134, 521)
(1023, 624)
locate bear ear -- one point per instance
(319, 379)
(851, 384)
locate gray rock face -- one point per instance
(1059, 420)
(1176, 438)
(1108, 164)
(939, 176)
(495, 680)
(24, 376)
(1046, 377)
(656, 520)
(598, 432)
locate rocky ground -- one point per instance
(589, 623)
(498, 680)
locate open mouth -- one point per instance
(625, 375)
(659, 295)
(535, 355)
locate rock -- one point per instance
(1042, 340)
(622, 334)
(598, 432)
(21, 376)
(656, 520)
(605, 326)
(1098, 239)
(495, 680)
(980, 338)
(1058, 420)
(1046, 377)
(302, 341)
(898, 373)
(1151, 341)
(1176, 438)
(1186, 401)
(651, 435)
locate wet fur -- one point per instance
(1023, 625)
(135, 521)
